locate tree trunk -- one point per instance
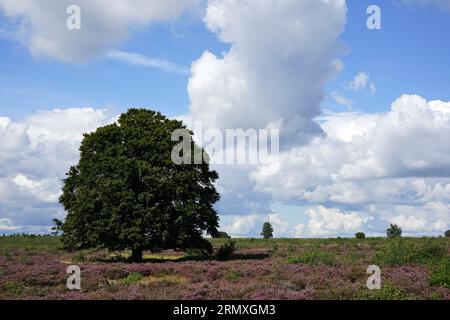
(136, 254)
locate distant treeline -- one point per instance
(29, 235)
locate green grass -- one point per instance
(232, 275)
(387, 292)
(314, 256)
(30, 242)
(404, 251)
(79, 257)
(258, 243)
(13, 288)
(440, 274)
(132, 278)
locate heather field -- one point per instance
(412, 268)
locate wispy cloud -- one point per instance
(137, 59)
(360, 82)
(342, 100)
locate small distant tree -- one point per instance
(447, 233)
(394, 231)
(360, 235)
(267, 230)
(222, 235)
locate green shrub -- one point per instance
(351, 258)
(400, 252)
(274, 249)
(222, 235)
(24, 260)
(387, 292)
(226, 250)
(440, 274)
(132, 278)
(360, 235)
(7, 254)
(13, 288)
(79, 257)
(232, 275)
(430, 250)
(290, 248)
(314, 257)
(447, 233)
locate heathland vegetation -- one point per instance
(411, 268)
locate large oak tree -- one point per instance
(127, 193)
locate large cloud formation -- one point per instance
(350, 171)
(281, 55)
(394, 166)
(41, 25)
(35, 153)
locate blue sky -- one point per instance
(390, 56)
(409, 55)
(103, 82)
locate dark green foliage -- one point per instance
(222, 235)
(57, 226)
(360, 235)
(447, 233)
(127, 193)
(226, 250)
(394, 231)
(267, 230)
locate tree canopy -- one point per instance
(267, 230)
(394, 231)
(127, 193)
(360, 235)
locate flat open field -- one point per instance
(411, 268)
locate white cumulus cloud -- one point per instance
(324, 221)
(281, 55)
(387, 160)
(35, 154)
(40, 25)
